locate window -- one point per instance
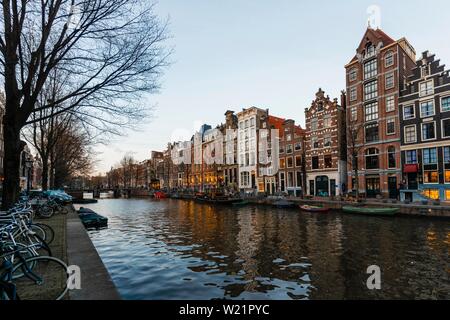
(372, 158)
(447, 155)
(328, 162)
(427, 109)
(290, 162)
(445, 104)
(353, 94)
(389, 59)
(327, 140)
(428, 131)
(288, 137)
(298, 178)
(426, 88)
(390, 126)
(430, 156)
(370, 69)
(252, 122)
(315, 163)
(432, 194)
(411, 157)
(354, 114)
(290, 180)
(281, 149)
(410, 134)
(372, 132)
(289, 148)
(320, 106)
(314, 142)
(371, 111)
(353, 74)
(425, 71)
(298, 161)
(391, 157)
(408, 112)
(314, 124)
(389, 81)
(447, 194)
(430, 174)
(282, 163)
(390, 103)
(446, 128)
(371, 90)
(447, 165)
(298, 146)
(327, 121)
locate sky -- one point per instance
(274, 54)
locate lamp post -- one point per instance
(29, 167)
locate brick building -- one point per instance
(425, 134)
(292, 170)
(326, 165)
(374, 78)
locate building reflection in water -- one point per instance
(190, 250)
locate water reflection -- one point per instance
(175, 249)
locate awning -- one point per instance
(411, 168)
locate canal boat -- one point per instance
(240, 203)
(159, 195)
(284, 204)
(314, 209)
(91, 219)
(371, 211)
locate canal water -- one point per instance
(175, 249)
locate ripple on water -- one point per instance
(182, 250)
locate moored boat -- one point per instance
(240, 203)
(283, 204)
(314, 209)
(371, 211)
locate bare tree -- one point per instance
(355, 143)
(109, 52)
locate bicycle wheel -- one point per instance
(12, 252)
(49, 233)
(45, 278)
(45, 211)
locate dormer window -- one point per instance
(320, 106)
(370, 50)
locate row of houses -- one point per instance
(387, 136)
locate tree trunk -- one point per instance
(12, 146)
(44, 174)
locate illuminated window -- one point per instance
(282, 163)
(447, 194)
(431, 193)
(430, 177)
(447, 176)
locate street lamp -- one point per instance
(29, 165)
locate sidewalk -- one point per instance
(96, 283)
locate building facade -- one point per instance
(230, 167)
(425, 135)
(374, 78)
(326, 165)
(292, 168)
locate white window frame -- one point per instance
(426, 93)
(442, 98)
(414, 111)
(415, 133)
(421, 131)
(420, 109)
(390, 54)
(353, 75)
(386, 103)
(442, 128)
(387, 121)
(386, 82)
(353, 94)
(354, 111)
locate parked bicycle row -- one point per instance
(28, 270)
